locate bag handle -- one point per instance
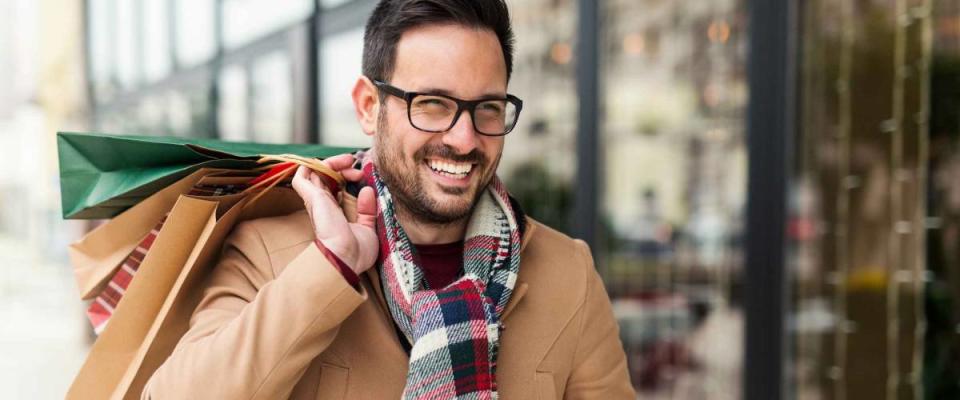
(286, 165)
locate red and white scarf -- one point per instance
(455, 330)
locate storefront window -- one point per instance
(856, 225)
(246, 20)
(272, 98)
(196, 40)
(674, 157)
(340, 67)
(234, 100)
(156, 36)
(333, 3)
(127, 46)
(539, 159)
(101, 46)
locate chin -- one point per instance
(451, 206)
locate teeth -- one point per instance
(450, 167)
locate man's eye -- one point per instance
(491, 108)
(433, 104)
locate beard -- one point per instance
(407, 185)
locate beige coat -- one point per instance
(278, 321)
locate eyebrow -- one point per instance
(445, 92)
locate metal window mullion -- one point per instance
(313, 76)
(588, 178)
(770, 132)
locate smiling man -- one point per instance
(424, 280)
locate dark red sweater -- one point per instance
(441, 263)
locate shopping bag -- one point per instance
(156, 307)
(103, 175)
(99, 253)
(226, 190)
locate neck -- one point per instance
(421, 232)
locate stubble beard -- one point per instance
(406, 183)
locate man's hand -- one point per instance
(355, 243)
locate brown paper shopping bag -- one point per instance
(157, 305)
(96, 256)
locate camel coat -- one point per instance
(278, 321)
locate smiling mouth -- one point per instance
(450, 169)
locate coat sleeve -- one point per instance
(599, 365)
(255, 332)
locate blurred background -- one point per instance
(633, 137)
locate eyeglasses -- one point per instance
(437, 113)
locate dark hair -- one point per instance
(391, 18)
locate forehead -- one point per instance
(465, 61)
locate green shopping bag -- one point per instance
(103, 175)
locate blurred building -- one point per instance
(872, 229)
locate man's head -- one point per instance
(458, 48)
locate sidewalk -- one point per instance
(43, 338)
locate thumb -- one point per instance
(367, 208)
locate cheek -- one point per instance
(491, 147)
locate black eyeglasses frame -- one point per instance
(462, 105)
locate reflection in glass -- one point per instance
(156, 54)
(101, 46)
(675, 186)
(128, 49)
(340, 57)
(332, 3)
(178, 112)
(195, 31)
(539, 159)
(272, 98)
(856, 223)
(246, 20)
(234, 99)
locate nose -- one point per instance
(462, 137)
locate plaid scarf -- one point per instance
(454, 331)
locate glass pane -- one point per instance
(856, 223)
(245, 20)
(340, 59)
(179, 114)
(128, 56)
(333, 3)
(233, 104)
(674, 80)
(941, 362)
(272, 99)
(156, 34)
(195, 31)
(544, 78)
(150, 116)
(100, 44)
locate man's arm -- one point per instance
(254, 334)
(599, 365)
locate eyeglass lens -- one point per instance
(436, 113)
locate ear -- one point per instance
(366, 102)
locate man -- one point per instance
(427, 283)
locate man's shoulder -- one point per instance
(279, 232)
(546, 241)
(553, 259)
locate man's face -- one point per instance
(458, 61)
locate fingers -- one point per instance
(367, 208)
(315, 179)
(340, 162)
(301, 183)
(309, 185)
(352, 175)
